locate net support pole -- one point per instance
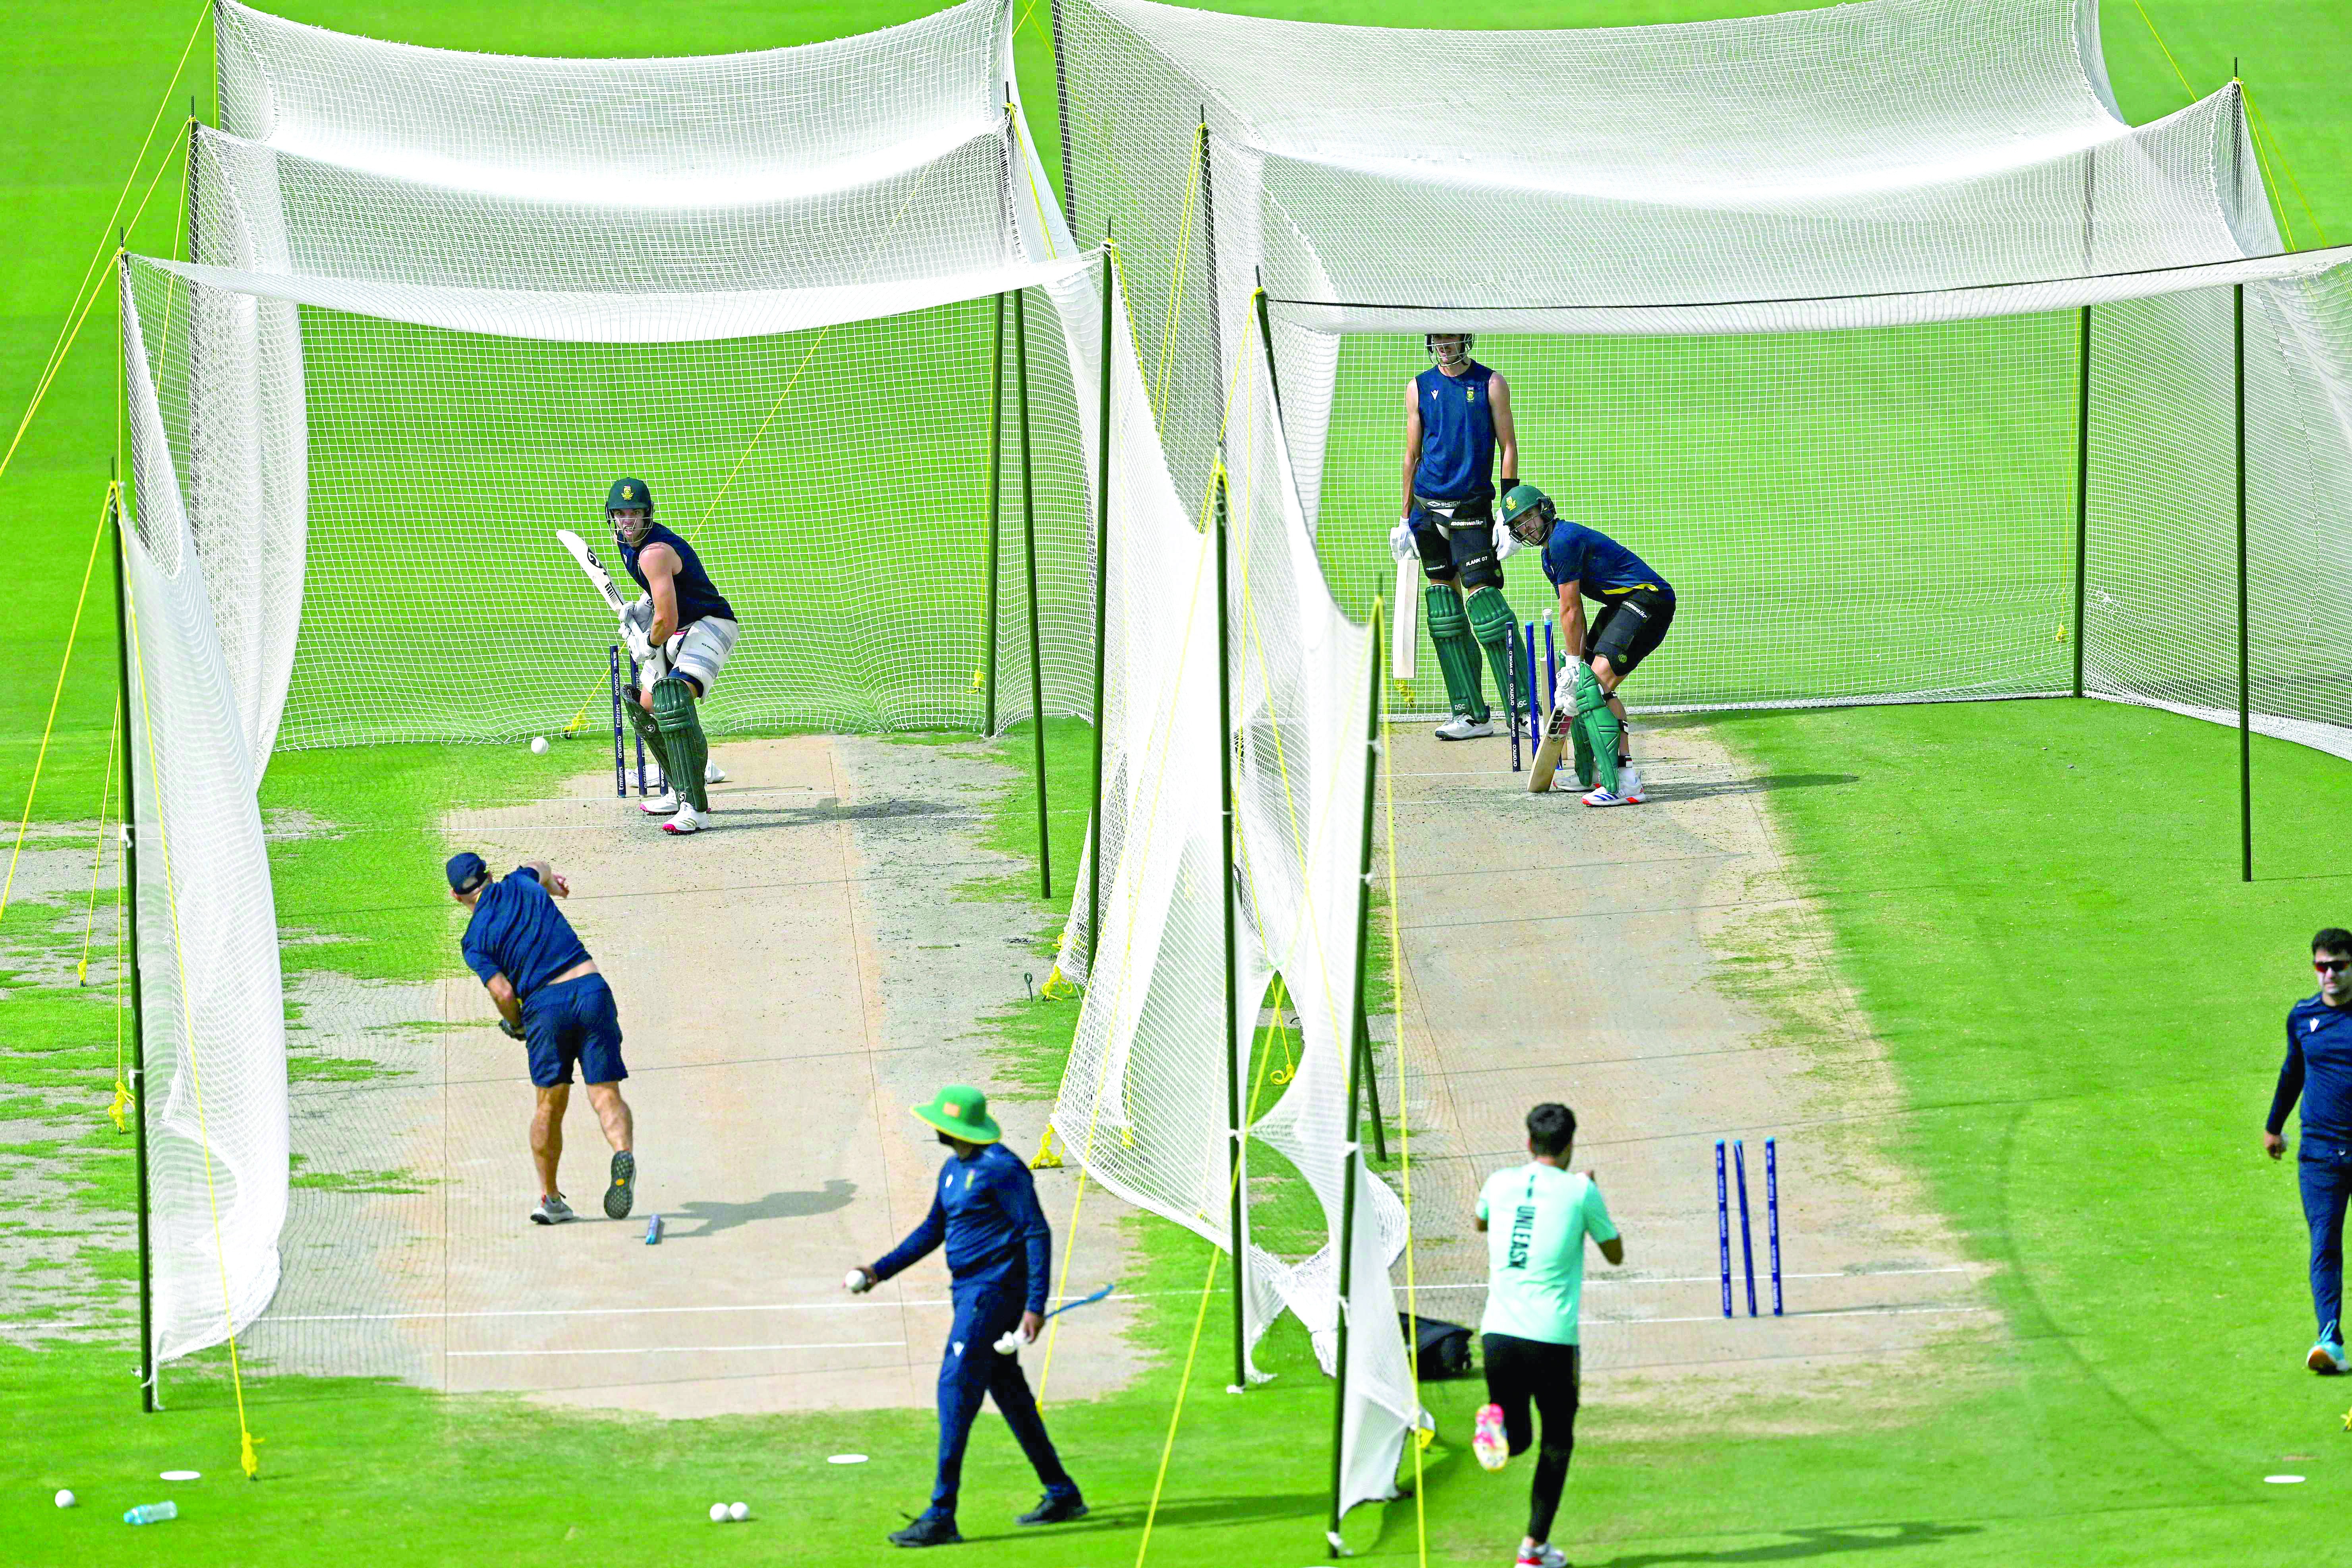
(1102, 593)
(1266, 335)
(2081, 486)
(1233, 1129)
(129, 917)
(995, 510)
(2245, 707)
(1029, 564)
(1358, 1064)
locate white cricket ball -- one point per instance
(538, 745)
(718, 1513)
(65, 1496)
(853, 1280)
(739, 1511)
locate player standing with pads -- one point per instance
(1536, 1218)
(1457, 413)
(550, 995)
(683, 616)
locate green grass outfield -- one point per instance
(2037, 901)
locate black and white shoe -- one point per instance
(1055, 1509)
(623, 1190)
(1462, 727)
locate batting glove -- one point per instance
(511, 1030)
(1401, 544)
(1505, 542)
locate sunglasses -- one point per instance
(2331, 965)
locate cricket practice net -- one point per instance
(823, 299)
(1793, 305)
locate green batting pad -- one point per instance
(1492, 623)
(1596, 728)
(647, 730)
(1457, 655)
(683, 743)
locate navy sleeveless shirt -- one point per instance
(1457, 435)
(698, 600)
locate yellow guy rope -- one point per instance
(2160, 44)
(91, 279)
(246, 1439)
(2279, 154)
(49, 725)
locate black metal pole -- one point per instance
(2245, 713)
(1234, 1129)
(1358, 1062)
(1029, 556)
(130, 916)
(1265, 334)
(2082, 486)
(1102, 591)
(995, 509)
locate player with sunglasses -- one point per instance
(2318, 1068)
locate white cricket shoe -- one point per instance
(552, 1210)
(713, 773)
(1627, 793)
(660, 804)
(687, 819)
(1460, 728)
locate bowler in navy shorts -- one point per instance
(550, 997)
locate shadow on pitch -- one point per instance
(1179, 1512)
(817, 813)
(717, 1217)
(1824, 1542)
(1747, 786)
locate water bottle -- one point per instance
(152, 1512)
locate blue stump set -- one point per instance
(1746, 1241)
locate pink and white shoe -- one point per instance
(687, 820)
(1546, 1555)
(660, 804)
(1488, 1441)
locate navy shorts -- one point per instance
(575, 1021)
(1629, 629)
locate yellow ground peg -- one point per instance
(121, 1099)
(250, 1460)
(1057, 985)
(2348, 1421)
(1046, 1159)
(2062, 631)
(979, 676)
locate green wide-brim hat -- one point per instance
(961, 1110)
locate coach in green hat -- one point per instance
(1000, 1256)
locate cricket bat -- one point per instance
(1547, 759)
(640, 649)
(1404, 628)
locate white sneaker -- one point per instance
(660, 804)
(1544, 1556)
(1460, 727)
(713, 773)
(1629, 785)
(552, 1211)
(687, 820)
(1610, 797)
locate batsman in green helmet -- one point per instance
(1637, 605)
(1457, 429)
(691, 629)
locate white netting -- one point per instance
(1142, 1101)
(1842, 198)
(214, 1019)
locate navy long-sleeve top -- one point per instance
(2318, 1066)
(985, 1209)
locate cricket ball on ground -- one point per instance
(538, 745)
(718, 1513)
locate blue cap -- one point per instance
(467, 871)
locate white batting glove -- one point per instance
(1401, 544)
(1505, 542)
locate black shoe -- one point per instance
(931, 1529)
(622, 1193)
(1054, 1510)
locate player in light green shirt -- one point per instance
(1536, 1218)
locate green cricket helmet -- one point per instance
(1528, 513)
(629, 495)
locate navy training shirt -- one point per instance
(697, 598)
(985, 1209)
(1600, 567)
(1457, 435)
(518, 931)
(2318, 1066)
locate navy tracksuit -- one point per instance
(2318, 1068)
(999, 1252)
